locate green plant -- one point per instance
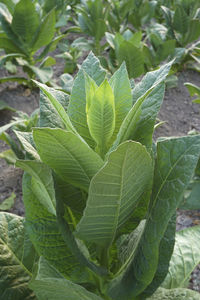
(71, 54)
(92, 16)
(23, 124)
(100, 200)
(24, 32)
(126, 47)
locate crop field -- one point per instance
(99, 149)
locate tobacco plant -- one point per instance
(100, 197)
(24, 32)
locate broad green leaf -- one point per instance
(49, 285)
(59, 109)
(5, 106)
(8, 45)
(92, 67)
(44, 233)
(26, 139)
(46, 31)
(77, 108)
(165, 49)
(14, 38)
(17, 258)
(193, 31)
(8, 203)
(74, 198)
(25, 21)
(43, 74)
(78, 249)
(42, 178)
(192, 198)
(49, 116)
(175, 294)
(122, 92)
(175, 164)
(114, 193)
(77, 104)
(180, 20)
(101, 117)
(150, 80)
(133, 57)
(127, 242)
(184, 259)
(72, 159)
(165, 252)
(144, 128)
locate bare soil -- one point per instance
(180, 114)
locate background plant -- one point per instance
(24, 33)
(100, 203)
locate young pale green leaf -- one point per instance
(46, 31)
(90, 89)
(77, 104)
(175, 164)
(150, 80)
(59, 109)
(175, 294)
(139, 123)
(184, 259)
(25, 21)
(114, 193)
(43, 179)
(70, 157)
(49, 284)
(133, 57)
(101, 117)
(144, 128)
(122, 93)
(17, 258)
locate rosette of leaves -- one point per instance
(183, 25)
(24, 33)
(92, 17)
(126, 47)
(100, 200)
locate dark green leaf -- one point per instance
(17, 258)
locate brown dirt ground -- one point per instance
(180, 114)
